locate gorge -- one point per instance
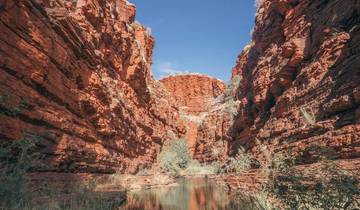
(76, 79)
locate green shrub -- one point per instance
(231, 107)
(174, 156)
(308, 116)
(145, 171)
(232, 87)
(6, 108)
(242, 161)
(196, 168)
(282, 162)
(216, 165)
(336, 189)
(16, 159)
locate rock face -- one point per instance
(75, 75)
(301, 79)
(213, 133)
(194, 94)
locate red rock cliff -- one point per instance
(301, 79)
(194, 95)
(213, 130)
(76, 76)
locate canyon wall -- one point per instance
(213, 131)
(301, 80)
(75, 76)
(194, 94)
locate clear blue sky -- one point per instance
(202, 36)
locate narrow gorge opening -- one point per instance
(92, 118)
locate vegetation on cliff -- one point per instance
(331, 188)
(288, 186)
(175, 159)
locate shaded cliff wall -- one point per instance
(194, 94)
(76, 76)
(213, 131)
(301, 79)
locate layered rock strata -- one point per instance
(75, 76)
(301, 80)
(213, 132)
(195, 95)
(299, 86)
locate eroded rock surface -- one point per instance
(301, 78)
(76, 76)
(299, 89)
(213, 132)
(194, 95)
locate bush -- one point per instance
(174, 156)
(308, 116)
(196, 168)
(282, 162)
(6, 108)
(232, 87)
(231, 107)
(145, 171)
(239, 163)
(16, 159)
(336, 189)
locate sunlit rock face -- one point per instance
(194, 95)
(193, 92)
(301, 79)
(75, 75)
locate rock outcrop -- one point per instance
(301, 80)
(75, 75)
(194, 94)
(213, 136)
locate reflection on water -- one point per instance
(191, 194)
